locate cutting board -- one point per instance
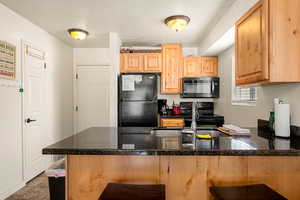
(232, 132)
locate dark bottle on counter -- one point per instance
(272, 121)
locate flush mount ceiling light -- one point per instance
(78, 34)
(177, 22)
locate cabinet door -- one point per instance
(251, 46)
(171, 73)
(152, 62)
(132, 62)
(285, 41)
(192, 67)
(209, 66)
(172, 122)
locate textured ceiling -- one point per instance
(138, 22)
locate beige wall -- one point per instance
(58, 101)
(247, 115)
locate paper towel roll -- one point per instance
(282, 120)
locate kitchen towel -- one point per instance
(282, 120)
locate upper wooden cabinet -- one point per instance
(172, 65)
(209, 66)
(192, 66)
(196, 66)
(251, 66)
(152, 62)
(140, 62)
(131, 62)
(268, 43)
(172, 69)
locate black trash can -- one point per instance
(56, 179)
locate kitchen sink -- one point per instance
(166, 132)
(174, 136)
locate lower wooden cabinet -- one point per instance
(185, 177)
(172, 122)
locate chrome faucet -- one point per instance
(194, 123)
(194, 110)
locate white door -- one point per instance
(93, 96)
(33, 110)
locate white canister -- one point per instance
(282, 120)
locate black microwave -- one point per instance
(201, 87)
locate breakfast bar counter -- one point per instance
(145, 141)
(141, 155)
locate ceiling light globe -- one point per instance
(177, 22)
(78, 34)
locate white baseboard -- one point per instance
(11, 190)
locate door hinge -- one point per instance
(45, 65)
(76, 76)
(76, 108)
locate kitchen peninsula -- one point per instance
(98, 156)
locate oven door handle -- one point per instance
(212, 87)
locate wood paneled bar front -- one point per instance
(185, 177)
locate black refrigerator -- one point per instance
(138, 100)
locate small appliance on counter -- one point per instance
(162, 106)
(202, 87)
(176, 109)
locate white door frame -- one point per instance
(24, 43)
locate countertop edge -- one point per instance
(172, 153)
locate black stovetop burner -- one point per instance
(205, 113)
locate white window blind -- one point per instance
(243, 95)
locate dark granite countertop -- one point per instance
(142, 141)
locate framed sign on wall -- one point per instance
(7, 61)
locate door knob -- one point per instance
(29, 120)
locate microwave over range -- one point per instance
(201, 87)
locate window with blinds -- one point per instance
(245, 95)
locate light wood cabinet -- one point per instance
(152, 62)
(140, 62)
(185, 177)
(197, 66)
(172, 122)
(209, 66)
(172, 69)
(192, 66)
(172, 65)
(251, 66)
(131, 62)
(268, 43)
